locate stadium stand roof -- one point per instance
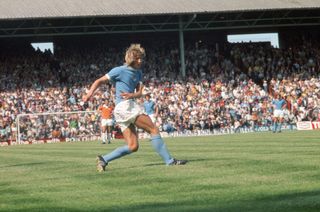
(47, 18)
(30, 9)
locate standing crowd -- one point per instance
(227, 89)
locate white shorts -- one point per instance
(278, 113)
(126, 113)
(153, 118)
(106, 122)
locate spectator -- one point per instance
(220, 87)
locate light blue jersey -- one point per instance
(149, 107)
(125, 80)
(278, 103)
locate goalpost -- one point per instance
(57, 127)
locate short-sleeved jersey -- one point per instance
(278, 103)
(149, 107)
(125, 79)
(106, 112)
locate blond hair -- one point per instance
(134, 53)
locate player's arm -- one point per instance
(284, 104)
(274, 104)
(156, 111)
(139, 90)
(94, 86)
(136, 94)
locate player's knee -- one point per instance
(154, 130)
(134, 147)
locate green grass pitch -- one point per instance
(243, 172)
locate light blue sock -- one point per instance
(161, 148)
(117, 153)
(275, 126)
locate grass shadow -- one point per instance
(24, 164)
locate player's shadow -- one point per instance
(153, 164)
(22, 164)
(162, 164)
(189, 161)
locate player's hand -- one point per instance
(127, 95)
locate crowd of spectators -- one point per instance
(228, 88)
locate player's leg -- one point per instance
(275, 124)
(144, 122)
(280, 124)
(112, 130)
(275, 120)
(103, 131)
(130, 136)
(108, 128)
